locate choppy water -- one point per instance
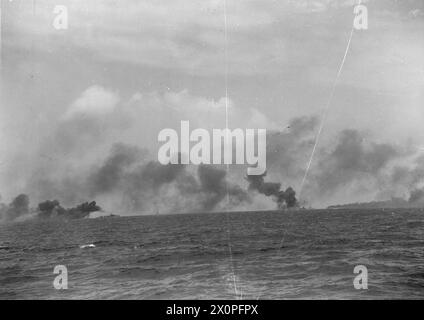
(187, 256)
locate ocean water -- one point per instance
(187, 256)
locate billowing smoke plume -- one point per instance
(349, 165)
(127, 181)
(351, 160)
(17, 208)
(148, 186)
(417, 196)
(214, 188)
(272, 189)
(49, 209)
(111, 173)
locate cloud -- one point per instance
(262, 35)
(202, 112)
(94, 101)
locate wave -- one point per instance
(85, 246)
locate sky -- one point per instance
(124, 70)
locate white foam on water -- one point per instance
(84, 246)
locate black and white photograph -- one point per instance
(219, 150)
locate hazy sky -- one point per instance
(140, 66)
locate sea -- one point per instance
(304, 254)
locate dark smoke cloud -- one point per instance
(149, 183)
(409, 176)
(416, 196)
(52, 208)
(17, 208)
(290, 197)
(110, 174)
(352, 160)
(409, 180)
(272, 189)
(142, 185)
(288, 150)
(127, 181)
(352, 163)
(214, 188)
(351, 153)
(20, 208)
